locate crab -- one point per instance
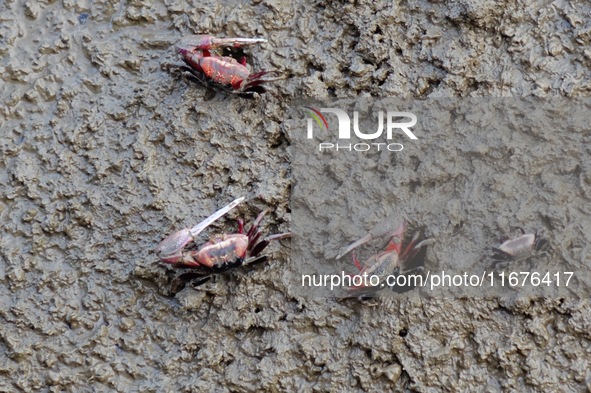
(199, 54)
(519, 247)
(392, 261)
(222, 252)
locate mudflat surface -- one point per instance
(105, 149)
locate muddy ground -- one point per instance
(106, 149)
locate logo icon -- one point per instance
(393, 124)
(320, 119)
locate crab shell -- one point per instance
(520, 246)
(224, 70)
(222, 250)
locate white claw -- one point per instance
(345, 250)
(381, 229)
(170, 249)
(197, 229)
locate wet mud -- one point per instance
(105, 150)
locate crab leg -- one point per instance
(260, 246)
(256, 222)
(172, 245)
(278, 236)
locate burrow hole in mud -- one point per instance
(403, 332)
(413, 185)
(313, 68)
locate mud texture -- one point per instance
(105, 150)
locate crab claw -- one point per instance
(197, 229)
(173, 244)
(381, 229)
(205, 42)
(170, 249)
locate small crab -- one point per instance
(520, 247)
(393, 261)
(199, 53)
(221, 252)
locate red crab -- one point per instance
(393, 261)
(199, 53)
(221, 252)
